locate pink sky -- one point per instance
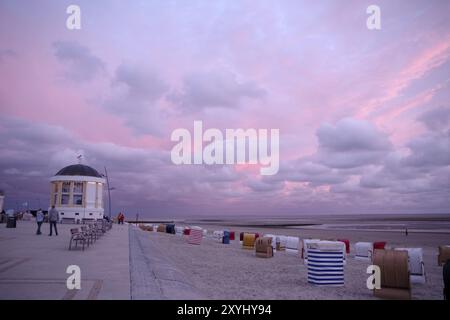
(363, 114)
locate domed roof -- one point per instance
(78, 170)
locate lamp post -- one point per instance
(109, 192)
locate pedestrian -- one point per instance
(39, 220)
(120, 218)
(53, 218)
(406, 231)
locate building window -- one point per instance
(65, 199)
(65, 193)
(55, 194)
(78, 193)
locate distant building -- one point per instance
(77, 193)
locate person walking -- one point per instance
(120, 218)
(39, 220)
(53, 218)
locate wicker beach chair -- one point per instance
(395, 282)
(444, 255)
(263, 247)
(249, 241)
(161, 228)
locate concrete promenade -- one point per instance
(34, 267)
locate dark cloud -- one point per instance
(81, 64)
(135, 94)
(351, 143)
(215, 89)
(429, 150)
(437, 119)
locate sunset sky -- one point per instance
(364, 115)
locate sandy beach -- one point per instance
(220, 271)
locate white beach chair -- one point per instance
(292, 245)
(274, 240)
(326, 263)
(179, 230)
(363, 251)
(416, 264)
(205, 233)
(218, 235)
(305, 248)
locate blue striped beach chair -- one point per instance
(326, 263)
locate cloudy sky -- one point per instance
(364, 115)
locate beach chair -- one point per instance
(161, 228)
(187, 231)
(347, 245)
(326, 263)
(178, 230)
(205, 233)
(415, 264)
(395, 282)
(218, 235)
(226, 237)
(305, 248)
(363, 251)
(170, 228)
(274, 241)
(446, 278)
(195, 236)
(248, 241)
(292, 245)
(444, 255)
(263, 247)
(379, 245)
(281, 242)
(77, 236)
(231, 235)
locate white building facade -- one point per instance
(76, 191)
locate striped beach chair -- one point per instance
(195, 236)
(326, 263)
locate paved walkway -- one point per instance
(153, 275)
(34, 267)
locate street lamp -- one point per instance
(109, 192)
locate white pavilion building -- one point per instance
(77, 193)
